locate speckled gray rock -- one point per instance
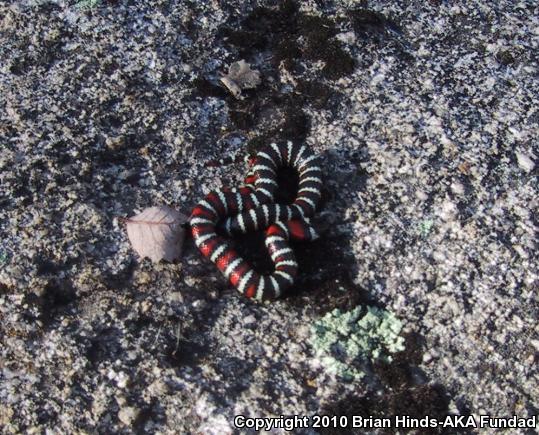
(430, 148)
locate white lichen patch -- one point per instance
(525, 161)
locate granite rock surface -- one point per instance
(426, 117)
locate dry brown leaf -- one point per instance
(240, 76)
(157, 233)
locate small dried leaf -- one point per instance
(240, 76)
(157, 233)
(231, 86)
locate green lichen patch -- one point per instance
(4, 257)
(425, 227)
(342, 340)
(86, 5)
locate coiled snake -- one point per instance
(252, 207)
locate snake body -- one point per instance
(252, 207)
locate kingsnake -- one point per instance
(252, 207)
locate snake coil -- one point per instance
(252, 207)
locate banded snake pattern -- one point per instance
(252, 207)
